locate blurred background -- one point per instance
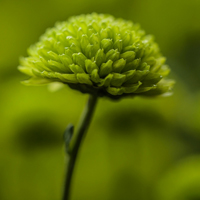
(136, 149)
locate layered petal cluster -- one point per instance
(98, 54)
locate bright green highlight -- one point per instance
(98, 54)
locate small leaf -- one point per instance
(68, 136)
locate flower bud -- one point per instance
(98, 54)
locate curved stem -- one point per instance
(76, 141)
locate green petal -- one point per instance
(132, 65)
(36, 81)
(152, 78)
(105, 68)
(57, 66)
(25, 70)
(132, 88)
(118, 79)
(128, 56)
(118, 45)
(67, 78)
(95, 76)
(129, 74)
(106, 81)
(76, 69)
(84, 79)
(53, 56)
(138, 76)
(163, 87)
(100, 57)
(119, 65)
(115, 91)
(90, 66)
(106, 44)
(79, 59)
(84, 42)
(66, 60)
(112, 55)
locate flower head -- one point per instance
(98, 54)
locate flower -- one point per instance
(98, 54)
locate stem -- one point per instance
(76, 141)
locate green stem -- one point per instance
(76, 141)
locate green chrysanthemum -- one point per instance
(98, 54)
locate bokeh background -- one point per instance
(136, 149)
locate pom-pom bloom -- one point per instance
(98, 54)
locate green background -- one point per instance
(136, 149)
